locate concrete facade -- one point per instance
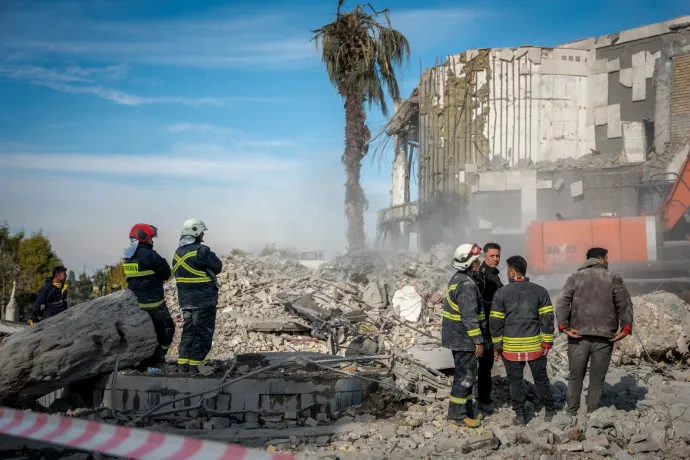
(623, 96)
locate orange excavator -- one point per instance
(651, 252)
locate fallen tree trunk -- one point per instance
(85, 341)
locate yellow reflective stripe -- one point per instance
(456, 400)
(547, 337)
(452, 287)
(497, 314)
(523, 348)
(148, 306)
(182, 361)
(523, 340)
(546, 309)
(497, 339)
(181, 262)
(451, 316)
(193, 362)
(164, 347)
(481, 317)
(474, 332)
(140, 274)
(452, 304)
(193, 280)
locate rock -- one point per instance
(659, 320)
(643, 447)
(219, 422)
(84, 341)
(408, 304)
(193, 424)
(365, 418)
(623, 455)
(417, 439)
(404, 431)
(572, 446)
(322, 440)
(558, 436)
(311, 422)
(485, 441)
(502, 437)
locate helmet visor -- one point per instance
(474, 251)
(155, 231)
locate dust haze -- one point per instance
(88, 219)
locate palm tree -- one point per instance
(360, 54)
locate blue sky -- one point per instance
(115, 112)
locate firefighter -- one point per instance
(522, 327)
(146, 272)
(488, 281)
(462, 332)
(52, 297)
(195, 268)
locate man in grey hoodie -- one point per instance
(594, 310)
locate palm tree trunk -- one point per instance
(356, 146)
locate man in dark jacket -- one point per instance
(462, 332)
(521, 322)
(146, 273)
(594, 310)
(52, 297)
(488, 281)
(195, 267)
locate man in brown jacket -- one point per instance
(594, 310)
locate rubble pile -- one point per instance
(267, 304)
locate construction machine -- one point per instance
(651, 252)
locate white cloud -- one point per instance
(199, 128)
(292, 204)
(238, 167)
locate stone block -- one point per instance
(576, 189)
(470, 167)
(613, 128)
(485, 441)
(558, 184)
(601, 115)
(625, 77)
(639, 84)
(614, 65)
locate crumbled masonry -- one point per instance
(271, 305)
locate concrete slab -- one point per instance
(634, 142)
(614, 65)
(613, 128)
(576, 189)
(639, 85)
(625, 77)
(639, 59)
(599, 89)
(432, 356)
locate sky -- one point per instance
(114, 112)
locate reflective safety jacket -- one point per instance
(146, 272)
(522, 320)
(195, 267)
(463, 314)
(50, 300)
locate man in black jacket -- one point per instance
(195, 268)
(146, 273)
(488, 281)
(52, 297)
(462, 332)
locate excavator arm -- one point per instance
(678, 201)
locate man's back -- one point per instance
(594, 301)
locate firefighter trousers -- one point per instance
(464, 378)
(197, 335)
(164, 326)
(486, 363)
(515, 371)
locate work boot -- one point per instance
(472, 422)
(487, 409)
(183, 368)
(549, 414)
(520, 419)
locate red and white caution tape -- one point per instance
(122, 441)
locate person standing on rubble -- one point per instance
(195, 267)
(462, 332)
(595, 310)
(146, 272)
(522, 327)
(488, 281)
(51, 299)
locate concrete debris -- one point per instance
(661, 329)
(357, 306)
(408, 304)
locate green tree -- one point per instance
(100, 280)
(236, 252)
(9, 261)
(36, 261)
(116, 278)
(360, 54)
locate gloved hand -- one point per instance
(34, 318)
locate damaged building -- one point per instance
(503, 137)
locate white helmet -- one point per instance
(193, 227)
(465, 255)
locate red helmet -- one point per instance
(142, 232)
